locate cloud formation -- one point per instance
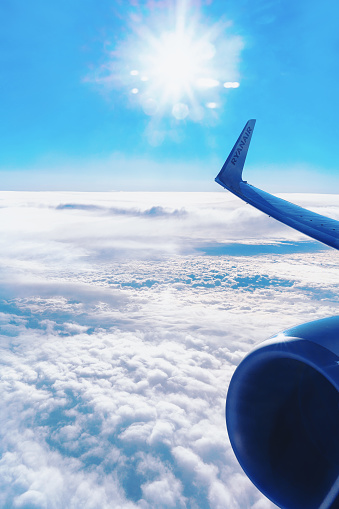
(119, 337)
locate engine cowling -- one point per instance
(282, 414)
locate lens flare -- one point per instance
(231, 84)
(178, 68)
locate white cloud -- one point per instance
(163, 493)
(115, 361)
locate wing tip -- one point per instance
(230, 174)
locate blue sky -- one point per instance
(131, 96)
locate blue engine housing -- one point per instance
(282, 414)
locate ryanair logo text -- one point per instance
(241, 145)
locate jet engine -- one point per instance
(282, 414)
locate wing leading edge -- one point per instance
(314, 225)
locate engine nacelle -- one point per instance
(282, 414)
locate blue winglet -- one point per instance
(319, 227)
(230, 174)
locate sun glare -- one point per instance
(178, 72)
(177, 67)
(175, 64)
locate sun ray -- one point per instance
(177, 67)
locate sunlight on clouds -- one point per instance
(119, 336)
(175, 62)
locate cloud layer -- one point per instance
(119, 336)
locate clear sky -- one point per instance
(151, 95)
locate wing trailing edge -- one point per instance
(314, 225)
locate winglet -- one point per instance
(230, 174)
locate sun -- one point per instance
(176, 67)
(175, 64)
(177, 71)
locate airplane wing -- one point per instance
(314, 225)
